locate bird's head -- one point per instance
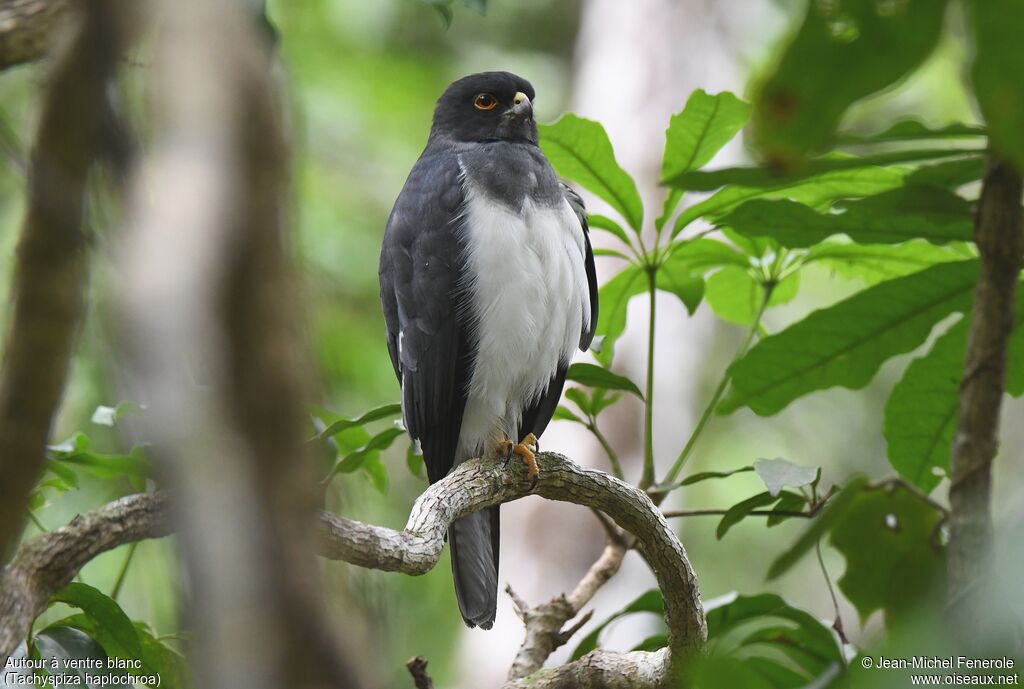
(489, 106)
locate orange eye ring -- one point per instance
(485, 101)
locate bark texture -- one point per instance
(27, 28)
(999, 235)
(50, 271)
(50, 560)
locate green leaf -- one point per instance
(872, 263)
(563, 413)
(581, 400)
(914, 130)
(69, 647)
(793, 632)
(921, 412)
(597, 377)
(414, 462)
(741, 510)
(603, 222)
(672, 199)
(649, 601)
(383, 412)
(601, 399)
(355, 460)
(600, 251)
(767, 177)
(813, 190)
(998, 73)
(157, 658)
(820, 525)
(134, 464)
(696, 134)
(778, 473)
(788, 502)
(697, 256)
(579, 150)
(122, 641)
(377, 472)
(674, 277)
(735, 296)
(65, 474)
(614, 297)
(892, 217)
(845, 344)
(800, 104)
(652, 643)
(950, 174)
(892, 564)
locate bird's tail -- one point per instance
(474, 544)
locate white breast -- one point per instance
(529, 300)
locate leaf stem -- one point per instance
(119, 582)
(647, 477)
(716, 397)
(613, 457)
(35, 521)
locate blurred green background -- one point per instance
(362, 78)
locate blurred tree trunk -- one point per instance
(213, 330)
(51, 266)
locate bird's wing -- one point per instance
(587, 334)
(421, 278)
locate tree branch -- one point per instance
(999, 235)
(43, 565)
(27, 28)
(50, 274)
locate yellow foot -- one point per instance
(508, 448)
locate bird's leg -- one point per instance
(509, 448)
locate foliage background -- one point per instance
(363, 77)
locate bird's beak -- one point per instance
(522, 107)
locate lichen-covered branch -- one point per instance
(50, 272)
(999, 235)
(27, 28)
(415, 550)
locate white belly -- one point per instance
(529, 301)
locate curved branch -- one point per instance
(26, 29)
(46, 563)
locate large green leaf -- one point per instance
(892, 217)
(893, 560)
(812, 190)
(579, 150)
(872, 263)
(72, 649)
(696, 134)
(845, 344)
(921, 413)
(597, 377)
(614, 297)
(735, 296)
(649, 601)
(119, 636)
(870, 44)
(998, 73)
(766, 177)
(676, 278)
(914, 130)
(762, 629)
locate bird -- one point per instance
(488, 287)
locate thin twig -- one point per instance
(418, 669)
(613, 457)
(838, 623)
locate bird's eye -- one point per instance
(485, 101)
